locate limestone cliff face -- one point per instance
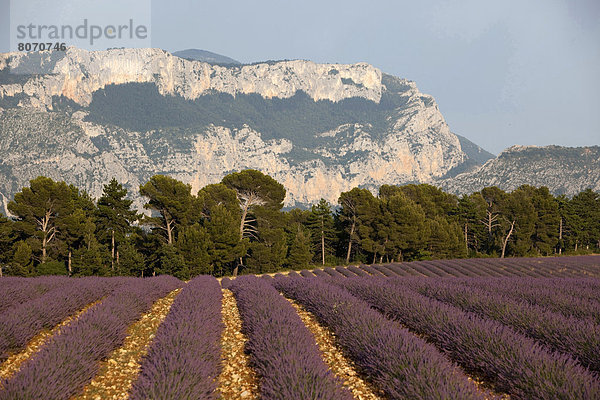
(79, 73)
(405, 138)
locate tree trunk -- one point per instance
(48, 232)
(244, 215)
(374, 257)
(350, 241)
(117, 258)
(44, 248)
(560, 236)
(466, 238)
(112, 249)
(235, 270)
(322, 240)
(69, 264)
(169, 230)
(512, 225)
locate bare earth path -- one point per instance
(237, 379)
(341, 366)
(119, 371)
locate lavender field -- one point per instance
(521, 328)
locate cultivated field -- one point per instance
(448, 329)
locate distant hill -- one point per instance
(205, 56)
(564, 170)
(475, 153)
(476, 157)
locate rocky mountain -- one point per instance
(565, 170)
(205, 56)
(319, 129)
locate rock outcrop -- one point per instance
(78, 73)
(388, 132)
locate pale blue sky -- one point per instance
(503, 72)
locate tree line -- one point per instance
(239, 226)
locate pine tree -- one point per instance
(131, 261)
(172, 200)
(471, 212)
(114, 217)
(322, 231)
(300, 253)
(169, 261)
(403, 228)
(260, 199)
(39, 209)
(355, 214)
(8, 236)
(586, 205)
(89, 260)
(192, 244)
(21, 260)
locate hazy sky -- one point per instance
(503, 72)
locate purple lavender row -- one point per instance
(225, 283)
(578, 338)
(370, 270)
(333, 273)
(282, 349)
(320, 273)
(19, 324)
(512, 362)
(556, 295)
(383, 270)
(357, 271)
(307, 274)
(402, 365)
(71, 359)
(575, 286)
(497, 267)
(15, 291)
(437, 267)
(345, 272)
(184, 358)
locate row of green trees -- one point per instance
(238, 225)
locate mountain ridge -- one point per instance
(319, 129)
(206, 56)
(564, 170)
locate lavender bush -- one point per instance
(357, 271)
(344, 271)
(225, 283)
(512, 362)
(559, 295)
(282, 349)
(402, 365)
(307, 274)
(333, 273)
(572, 336)
(19, 324)
(184, 358)
(70, 360)
(15, 291)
